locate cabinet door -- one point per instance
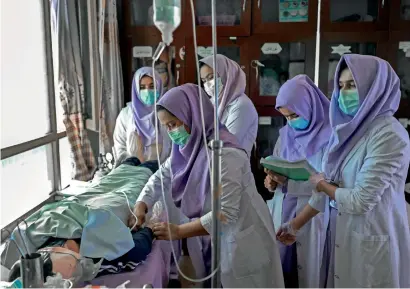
(170, 65)
(233, 48)
(354, 15)
(399, 57)
(268, 133)
(273, 63)
(233, 17)
(400, 14)
(331, 51)
(294, 16)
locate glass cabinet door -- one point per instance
(354, 10)
(336, 50)
(403, 69)
(279, 62)
(141, 12)
(405, 10)
(268, 133)
(232, 52)
(229, 12)
(165, 66)
(284, 10)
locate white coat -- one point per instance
(126, 139)
(241, 119)
(372, 245)
(249, 253)
(311, 239)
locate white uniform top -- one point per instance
(241, 120)
(311, 239)
(249, 253)
(372, 245)
(126, 139)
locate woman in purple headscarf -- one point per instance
(305, 136)
(134, 134)
(249, 255)
(236, 110)
(365, 170)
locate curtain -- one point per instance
(112, 92)
(68, 67)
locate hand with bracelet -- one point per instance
(321, 185)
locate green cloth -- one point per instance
(67, 218)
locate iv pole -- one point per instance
(216, 146)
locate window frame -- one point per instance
(53, 137)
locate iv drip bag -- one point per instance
(167, 18)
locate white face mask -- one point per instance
(209, 86)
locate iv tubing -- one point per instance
(216, 146)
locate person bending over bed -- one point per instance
(86, 235)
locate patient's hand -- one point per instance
(161, 231)
(140, 210)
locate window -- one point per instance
(30, 132)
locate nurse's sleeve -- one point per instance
(120, 138)
(240, 123)
(386, 152)
(231, 179)
(152, 192)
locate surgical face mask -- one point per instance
(148, 96)
(349, 101)
(298, 123)
(179, 135)
(210, 85)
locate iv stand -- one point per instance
(216, 146)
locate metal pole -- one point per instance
(55, 150)
(216, 187)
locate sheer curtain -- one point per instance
(68, 67)
(112, 92)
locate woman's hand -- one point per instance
(279, 179)
(287, 234)
(270, 184)
(316, 179)
(161, 231)
(140, 210)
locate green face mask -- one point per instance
(179, 135)
(349, 102)
(148, 96)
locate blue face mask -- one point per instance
(349, 102)
(148, 96)
(179, 135)
(298, 123)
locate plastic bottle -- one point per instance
(167, 18)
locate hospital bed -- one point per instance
(155, 270)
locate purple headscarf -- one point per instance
(304, 98)
(189, 164)
(143, 114)
(232, 76)
(379, 93)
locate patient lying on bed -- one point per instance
(92, 224)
